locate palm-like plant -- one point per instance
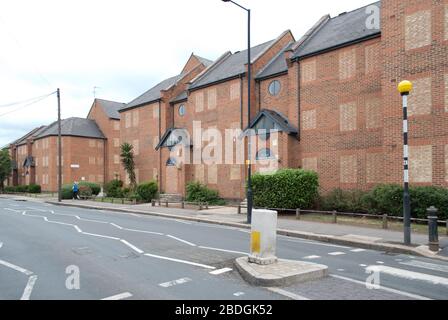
(127, 159)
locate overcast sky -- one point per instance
(123, 47)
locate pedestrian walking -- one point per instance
(75, 189)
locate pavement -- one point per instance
(369, 238)
(61, 252)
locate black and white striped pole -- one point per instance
(405, 87)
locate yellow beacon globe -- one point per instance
(405, 86)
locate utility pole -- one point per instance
(59, 148)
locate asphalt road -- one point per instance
(44, 248)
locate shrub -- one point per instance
(344, 201)
(197, 192)
(126, 192)
(113, 189)
(22, 189)
(287, 188)
(10, 189)
(95, 187)
(34, 188)
(85, 191)
(67, 192)
(147, 191)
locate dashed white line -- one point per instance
(380, 262)
(180, 261)
(17, 268)
(410, 275)
(223, 250)
(311, 257)
(358, 250)
(116, 226)
(181, 240)
(238, 294)
(175, 282)
(99, 236)
(336, 253)
(78, 229)
(143, 231)
(130, 245)
(220, 271)
(120, 296)
(363, 265)
(12, 210)
(288, 294)
(29, 288)
(403, 293)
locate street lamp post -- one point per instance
(249, 147)
(405, 87)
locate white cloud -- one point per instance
(125, 47)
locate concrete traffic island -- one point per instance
(262, 267)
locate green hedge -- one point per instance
(388, 199)
(287, 189)
(113, 189)
(197, 192)
(147, 191)
(67, 192)
(32, 188)
(95, 187)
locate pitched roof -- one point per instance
(204, 61)
(78, 127)
(111, 108)
(229, 66)
(276, 66)
(181, 97)
(32, 133)
(152, 94)
(277, 117)
(339, 31)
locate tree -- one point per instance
(5, 166)
(127, 159)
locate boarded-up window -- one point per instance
(199, 102)
(420, 99)
(310, 164)
(135, 118)
(136, 145)
(199, 173)
(309, 71)
(155, 112)
(212, 171)
(373, 113)
(116, 125)
(309, 119)
(347, 64)
(116, 159)
(348, 116)
(348, 169)
(128, 120)
(235, 90)
(420, 164)
(212, 98)
(418, 29)
(116, 142)
(235, 172)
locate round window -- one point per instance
(274, 88)
(182, 110)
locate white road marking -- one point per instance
(421, 264)
(17, 268)
(100, 236)
(175, 282)
(36, 209)
(223, 250)
(358, 250)
(180, 261)
(182, 221)
(398, 260)
(77, 229)
(312, 257)
(220, 271)
(116, 226)
(29, 288)
(399, 292)
(238, 294)
(120, 296)
(143, 231)
(1, 245)
(380, 262)
(363, 265)
(130, 245)
(181, 240)
(341, 270)
(288, 294)
(410, 275)
(288, 239)
(336, 253)
(8, 209)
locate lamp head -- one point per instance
(405, 87)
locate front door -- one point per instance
(172, 177)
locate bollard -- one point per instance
(263, 237)
(239, 209)
(298, 214)
(122, 201)
(160, 203)
(385, 224)
(153, 203)
(112, 200)
(183, 205)
(335, 216)
(200, 206)
(206, 205)
(433, 229)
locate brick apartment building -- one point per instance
(331, 97)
